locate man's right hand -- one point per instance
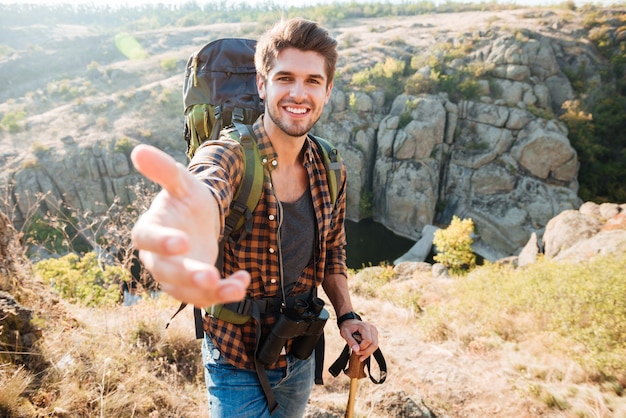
(178, 236)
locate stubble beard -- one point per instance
(295, 130)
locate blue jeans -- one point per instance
(237, 392)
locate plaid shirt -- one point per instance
(220, 164)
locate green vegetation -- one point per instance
(387, 76)
(80, 280)
(150, 16)
(597, 119)
(168, 64)
(446, 74)
(123, 145)
(41, 232)
(575, 310)
(579, 302)
(454, 245)
(40, 149)
(365, 204)
(13, 121)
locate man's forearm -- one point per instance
(336, 288)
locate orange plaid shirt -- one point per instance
(220, 165)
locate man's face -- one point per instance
(295, 91)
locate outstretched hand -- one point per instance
(178, 236)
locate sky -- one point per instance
(309, 2)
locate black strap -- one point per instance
(260, 369)
(197, 316)
(319, 360)
(342, 362)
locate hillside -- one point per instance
(436, 115)
(64, 360)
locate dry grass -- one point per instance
(112, 363)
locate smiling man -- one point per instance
(296, 242)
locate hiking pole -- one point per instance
(348, 362)
(355, 371)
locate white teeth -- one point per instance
(294, 110)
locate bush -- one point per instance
(454, 245)
(81, 280)
(168, 64)
(13, 121)
(123, 145)
(388, 76)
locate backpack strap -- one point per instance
(244, 201)
(332, 162)
(249, 192)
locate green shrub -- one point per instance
(41, 232)
(369, 281)
(40, 149)
(454, 245)
(168, 64)
(13, 121)
(80, 280)
(365, 205)
(387, 76)
(123, 145)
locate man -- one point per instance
(296, 241)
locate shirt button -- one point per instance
(273, 281)
(271, 217)
(274, 163)
(271, 251)
(264, 161)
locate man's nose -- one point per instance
(298, 90)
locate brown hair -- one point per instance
(298, 33)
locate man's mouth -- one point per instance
(296, 110)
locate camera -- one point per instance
(304, 322)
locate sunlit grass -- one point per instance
(115, 362)
(562, 325)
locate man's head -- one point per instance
(298, 33)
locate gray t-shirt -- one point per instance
(297, 237)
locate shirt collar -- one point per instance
(266, 151)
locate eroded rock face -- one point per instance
(595, 229)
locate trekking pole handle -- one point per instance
(356, 367)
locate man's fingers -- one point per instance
(160, 168)
(362, 338)
(159, 239)
(231, 289)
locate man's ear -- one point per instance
(329, 90)
(260, 85)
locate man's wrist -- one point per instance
(347, 316)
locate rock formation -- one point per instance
(502, 158)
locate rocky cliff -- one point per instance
(499, 156)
